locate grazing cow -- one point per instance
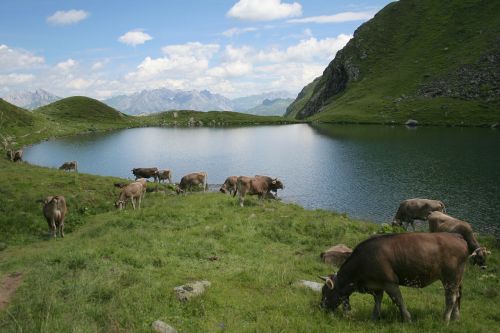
(258, 185)
(192, 179)
(440, 222)
(68, 166)
(230, 185)
(130, 192)
(385, 262)
(145, 173)
(15, 156)
(54, 211)
(164, 175)
(416, 209)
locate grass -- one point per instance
(428, 42)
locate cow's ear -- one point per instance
(329, 283)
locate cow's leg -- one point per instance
(377, 296)
(395, 293)
(455, 313)
(450, 295)
(242, 199)
(53, 228)
(133, 202)
(62, 229)
(139, 202)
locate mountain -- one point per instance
(271, 107)
(80, 109)
(242, 104)
(437, 62)
(150, 101)
(13, 116)
(31, 99)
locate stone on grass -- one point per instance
(190, 290)
(336, 255)
(316, 286)
(162, 327)
(411, 123)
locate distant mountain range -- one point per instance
(157, 100)
(271, 107)
(31, 99)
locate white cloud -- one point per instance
(264, 10)
(14, 79)
(337, 18)
(72, 16)
(236, 68)
(237, 31)
(66, 65)
(79, 83)
(180, 60)
(97, 65)
(11, 59)
(135, 37)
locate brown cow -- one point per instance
(440, 222)
(230, 185)
(164, 175)
(258, 185)
(54, 211)
(385, 262)
(130, 192)
(416, 209)
(192, 179)
(15, 156)
(68, 166)
(145, 173)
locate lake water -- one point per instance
(364, 171)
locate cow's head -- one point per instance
(478, 257)
(223, 189)
(332, 295)
(120, 204)
(276, 185)
(178, 190)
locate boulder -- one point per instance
(190, 290)
(336, 255)
(411, 123)
(162, 327)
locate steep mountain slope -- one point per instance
(82, 109)
(31, 99)
(150, 101)
(434, 61)
(13, 116)
(271, 107)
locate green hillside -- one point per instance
(80, 108)
(13, 118)
(434, 61)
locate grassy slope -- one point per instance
(411, 43)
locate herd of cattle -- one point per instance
(379, 264)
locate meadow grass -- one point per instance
(116, 270)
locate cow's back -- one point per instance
(413, 259)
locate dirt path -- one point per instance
(8, 286)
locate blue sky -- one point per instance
(235, 48)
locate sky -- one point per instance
(235, 48)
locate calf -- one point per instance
(416, 209)
(133, 191)
(192, 179)
(385, 262)
(54, 211)
(440, 222)
(68, 166)
(164, 175)
(230, 185)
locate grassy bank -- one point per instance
(115, 271)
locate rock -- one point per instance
(411, 123)
(316, 286)
(495, 125)
(190, 290)
(161, 327)
(336, 255)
